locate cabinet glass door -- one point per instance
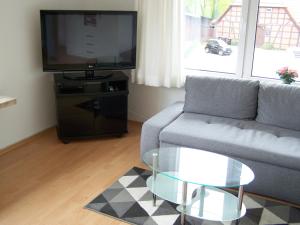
(76, 115)
(111, 114)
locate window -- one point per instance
(212, 35)
(278, 42)
(241, 37)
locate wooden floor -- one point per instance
(44, 182)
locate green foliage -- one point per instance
(234, 42)
(269, 46)
(287, 79)
(207, 8)
(193, 7)
(223, 6)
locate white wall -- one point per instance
(21, 73)
(145, 101)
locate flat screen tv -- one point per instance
(88, 40)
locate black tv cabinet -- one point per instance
(91, 107)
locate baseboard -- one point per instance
(134, 116)
(33, 137)
(135, 122)
(23, 141)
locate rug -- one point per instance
(129, 200)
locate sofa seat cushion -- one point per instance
(237, 138)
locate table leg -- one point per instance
(240, 198)
(184, 202)
(240, 203)
(201, 202)
(154, 174)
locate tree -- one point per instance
(207, 8)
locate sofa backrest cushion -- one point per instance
(232, 98)
(279, 105)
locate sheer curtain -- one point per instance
(160, 43)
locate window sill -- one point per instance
(192, 72)
(196, 72)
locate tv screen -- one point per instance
(88, 40)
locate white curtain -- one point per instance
(160, 43)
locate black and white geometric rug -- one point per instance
(129, 200)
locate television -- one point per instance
(88, 40)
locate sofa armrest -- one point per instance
(153, 126)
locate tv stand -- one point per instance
(91, 107)
(88, 75)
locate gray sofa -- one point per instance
(256, 123)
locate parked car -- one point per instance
(217, 46)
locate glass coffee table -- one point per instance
(192, 178)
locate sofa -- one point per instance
(257, 123)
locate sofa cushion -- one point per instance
(237, 138)
(279, 105)
(233, 98)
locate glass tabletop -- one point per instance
(198, 167)
(208, 203)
